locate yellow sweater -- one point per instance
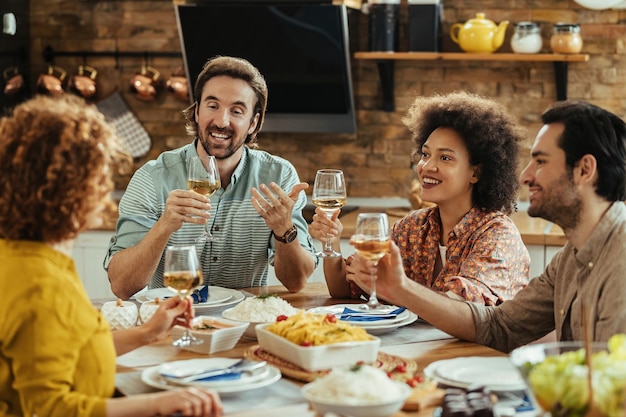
(56, 351)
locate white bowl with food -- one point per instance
(259, 310)
(217, 333)
(317, 342)
(358, 390)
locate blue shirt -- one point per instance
(245, 245)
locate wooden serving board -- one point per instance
(384, 361)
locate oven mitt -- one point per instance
(130, 131)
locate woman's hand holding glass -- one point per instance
(181, 274)
(171, 312)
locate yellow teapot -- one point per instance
(479, 34)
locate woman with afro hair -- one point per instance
(465, 246)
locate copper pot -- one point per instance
(51, 83)
(177, 85)
(145, 84)
(14, 81)
(83, 83)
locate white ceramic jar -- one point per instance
(526, 38)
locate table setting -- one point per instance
(404, 350)
(207, 298)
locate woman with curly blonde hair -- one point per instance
(57, 352)
(465, 246)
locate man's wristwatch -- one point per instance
(289, 236)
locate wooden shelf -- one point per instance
(385, 61)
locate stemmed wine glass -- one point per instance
(203, 177)
(329, 194)
(371, 241)
(182, 273)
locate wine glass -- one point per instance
(371, 240)
(329, 194)
(203, 177)
(181, 274)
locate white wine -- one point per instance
(372, 250)
(330, 203)
(204, 187)
(182, 281)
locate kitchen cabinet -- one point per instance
(89, 251)
(385, 61)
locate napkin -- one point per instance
(226, 377)
(349, 314)
(200, 295)
(231, 376)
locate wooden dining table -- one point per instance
(419, 342)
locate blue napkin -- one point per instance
(226, 377)
(349, 314)
(200, 295)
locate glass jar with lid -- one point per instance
(566, 38)
(526, 38)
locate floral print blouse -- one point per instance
(486, 260)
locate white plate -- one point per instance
(386, 328)
(186, 367)
(337, 310)
(218, 297)
(495, 373)
(151, 377)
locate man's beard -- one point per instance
(224, 152)
(560, 203)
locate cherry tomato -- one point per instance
(400, 368)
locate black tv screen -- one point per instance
(302, 50)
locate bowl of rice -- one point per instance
(259, 310)
(357, 390)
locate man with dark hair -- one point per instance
(577, 179)
(256, 222)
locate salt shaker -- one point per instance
(526, 38)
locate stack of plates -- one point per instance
(375, 327)
(218, 298)
(257, 378)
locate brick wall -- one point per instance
(375, 160)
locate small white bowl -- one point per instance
(120, 314)
(217, 340)
(147, 310)
(384, 408)
(321, 357)
(250, 332)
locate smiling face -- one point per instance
(552, 192)
(445, 171)
(225, 116)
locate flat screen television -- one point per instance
(301, 49)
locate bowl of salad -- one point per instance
(556, 375)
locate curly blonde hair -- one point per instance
(57, 155)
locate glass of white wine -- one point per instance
(203, 177)
(181, 274)
(371, 240)
(329, 194)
